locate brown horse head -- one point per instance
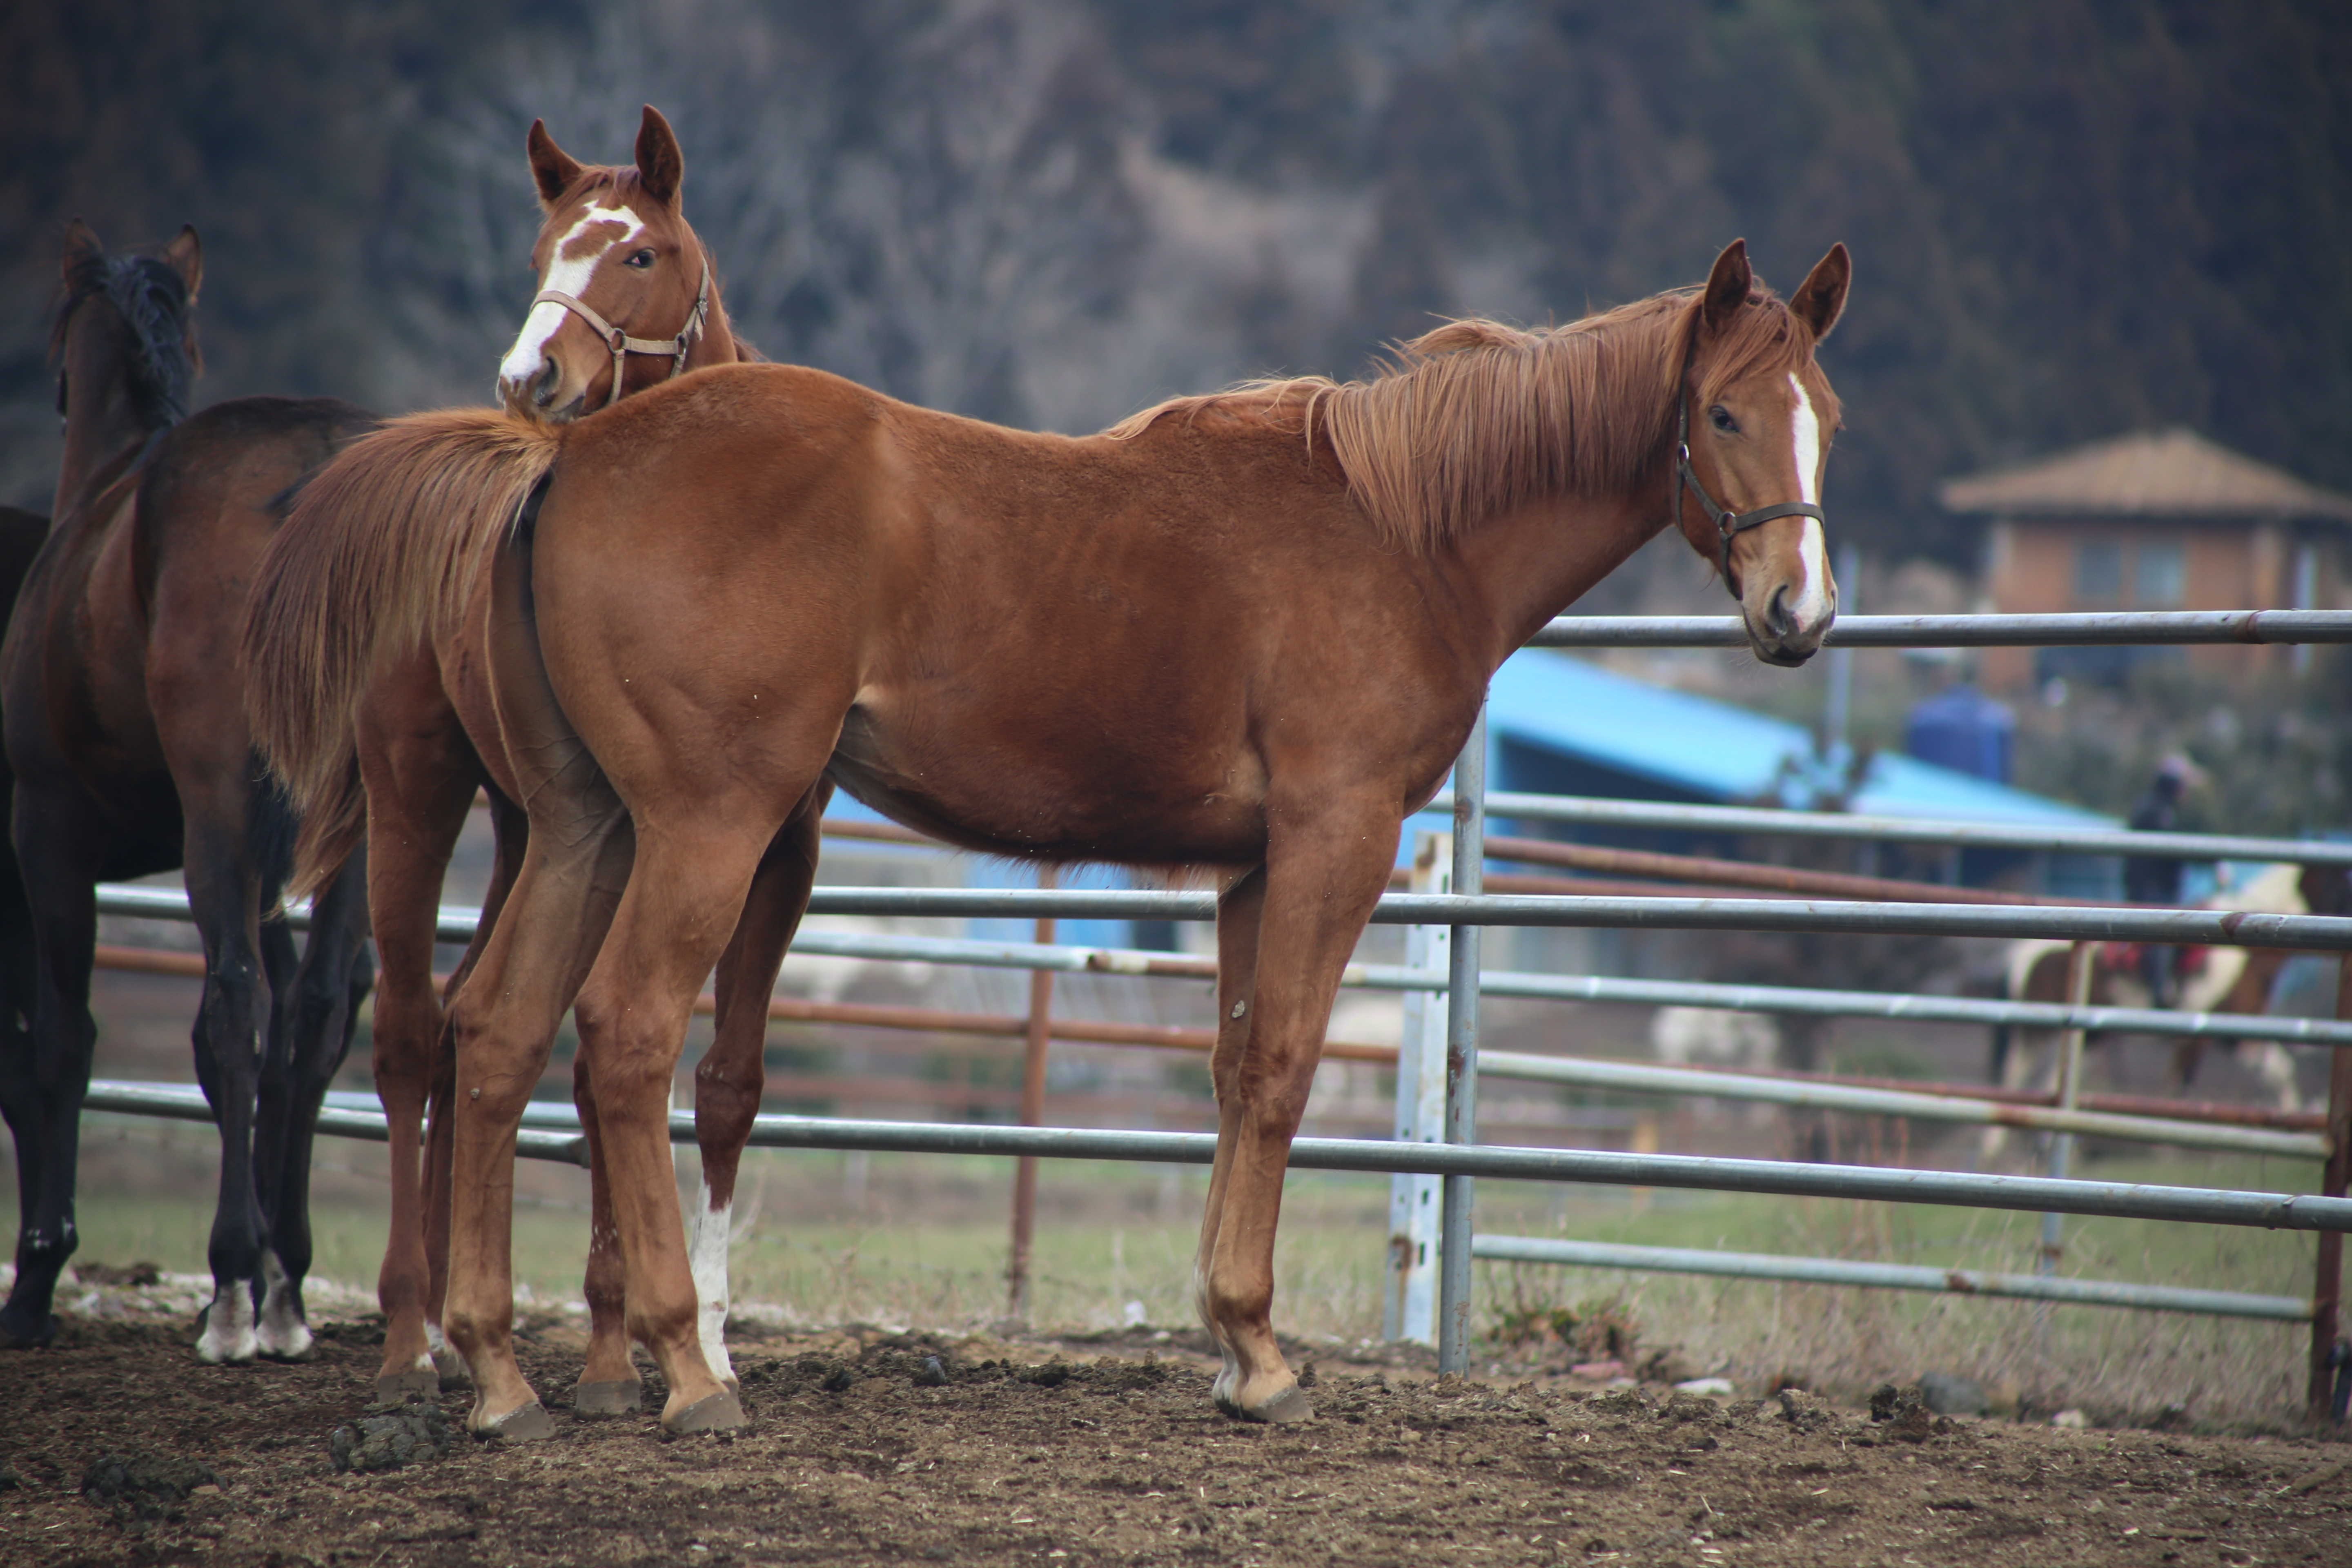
(125, 346)
(1760, 417)
(624, 285)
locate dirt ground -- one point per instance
(117, 1446)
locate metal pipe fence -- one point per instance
(456, 926)
(1890, 1277)
(2094, 629)
(1464, 910)
(551, 1132)
(1931, 832)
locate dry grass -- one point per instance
(921, 1242)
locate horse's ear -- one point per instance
(1818, 302)
(81, 244)
(1728, 283)
(661, 166)
(186, 255)
(552, 168)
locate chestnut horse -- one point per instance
(615, 251)
(126, 732)
(1247, 631)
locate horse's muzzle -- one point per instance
(1778, 636)
(533, 396)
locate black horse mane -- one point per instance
(152, 297)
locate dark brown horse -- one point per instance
(124, 697)
(1247, 631)
(615, 251)
(21, 536)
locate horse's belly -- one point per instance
(1012, 800)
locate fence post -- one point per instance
(1462, 1051)
(2327, 1285)
(1033, 1114)
(1409, 1310)
(2079, 959)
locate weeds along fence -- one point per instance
(1434, 1155)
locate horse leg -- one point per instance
(731, 1079)
(276, 1338)
(58, 840)
(1240, 909)
(419, 786)
(20, 1087)
(510, 837)
(503, 1020)
(316, 1016)
(609, 1384)
(225, 896)
(666, 936)
(503, 1024)
(1322, 878)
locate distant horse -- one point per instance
(616, 259)
(2218, 980)
(1248, 631)
(124, 699)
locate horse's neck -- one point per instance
(717, 344)
(1529, 565)
(103, 426)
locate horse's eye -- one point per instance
(641, 260)
(1722, 417)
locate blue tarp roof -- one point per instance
(1716, 751)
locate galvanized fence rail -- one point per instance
(1451, 1154)
(551, 1131)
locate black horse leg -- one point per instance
(311, 1030)
(47, 1069)
(223, 894)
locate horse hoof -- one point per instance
(612, 1396)
(400, 1387)
(286, 1343)
(13, 1338)
(225, 1337)
(711, 1413)
(523, 1424)
(447, 1362)
(1291, 1405)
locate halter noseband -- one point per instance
(622, 344)
(1726, 522)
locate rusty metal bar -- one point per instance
(1739, 874)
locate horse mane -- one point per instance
(1476, 418)
(153, 298)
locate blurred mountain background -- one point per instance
(2069, 218)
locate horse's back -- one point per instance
(215, 494)
(219, 481)
(987, 604)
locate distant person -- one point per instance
(2156, 879)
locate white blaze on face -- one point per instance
(577, 256)
(1813, 601)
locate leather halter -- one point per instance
(622, 344)
(1726, 522)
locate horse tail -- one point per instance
(380, 553)
(332, 828)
